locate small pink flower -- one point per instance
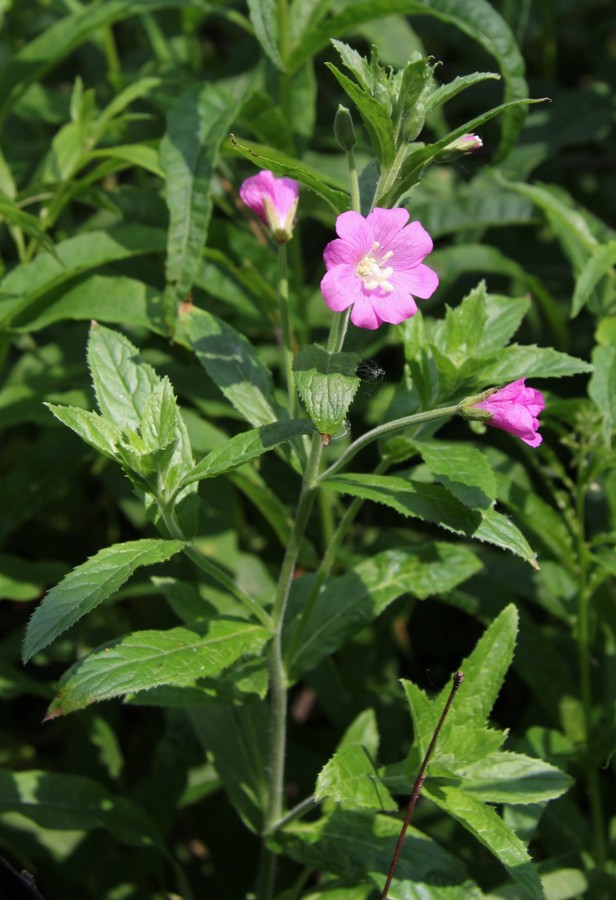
(515, 409)
(375, 266)
(274, 200)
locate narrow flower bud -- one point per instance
(343, 128)
(465, 144)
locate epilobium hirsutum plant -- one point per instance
(328, 550)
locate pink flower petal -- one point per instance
(395, 308)
(341, 287)
(364, 316)
(411, 246)
(421, 281)
(386, 224)
(514, 408)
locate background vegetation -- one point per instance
(101, 105)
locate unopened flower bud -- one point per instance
(274, 200)
(514, 408)
(343, 128)
(466, 143)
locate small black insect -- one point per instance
(369, 371)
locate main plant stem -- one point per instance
(277, 672)
(285, 327)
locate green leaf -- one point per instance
(74, 803)
(476, 18)
(457, 260)
(244, 447)
(351, 778)
(29, 288)
(122, 382)
(263, 15)
(504, 315)
(327, 384)
(601, 263)
(113, 299)
(160, 413)
(232, 364)
(358, 846)
(602, 386)
(513, 778)
(462, 469)
(418, 159)
(45, 467)
(346, 604)
(410, 108)
(58, 40)
(432, 503)
(196, 126)
(464, 326)
(146, 659)
(28, 223)
(95, 430)
(487, 826)
(121, 101)
(304, 14)
(88, 585)
(281, 164)
(484, 672)
(25, 579)
(238, 739)
(447, 92)
(362, 730)
(528, 361)
(140, 155)
(569, 225)
(375, 117)
(135, 400)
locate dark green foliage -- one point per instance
(175, 525)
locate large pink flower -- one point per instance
(274, 200)
(375, 265)
(515, 409)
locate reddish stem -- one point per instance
(458, 678)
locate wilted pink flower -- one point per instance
(375, 266)
(514, 409)
(274, 200)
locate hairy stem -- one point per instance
(285, 328)
(380, 431)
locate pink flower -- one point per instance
(515, 409)
(375, 266)
(274, 200)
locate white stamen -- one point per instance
(373, 273)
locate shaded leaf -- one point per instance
(74, 803)
(432, 503)
(232, 364)
(196, 126)
(346, 604)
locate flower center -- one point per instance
(373, 271)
